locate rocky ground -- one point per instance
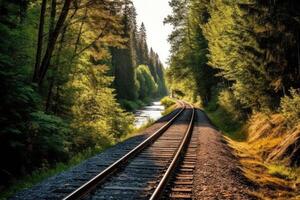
(217, 174)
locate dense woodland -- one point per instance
(241, 57)
(69, 72)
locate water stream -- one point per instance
(151, 112)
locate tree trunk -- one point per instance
(55, 73)
(80, 31)
(23, 8)
(49, 96)
(52, 41)
(52, 18)
(40, 42)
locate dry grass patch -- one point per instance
(265, 157)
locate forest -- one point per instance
(73, 71)
(70, 72)
(241, 61)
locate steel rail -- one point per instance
(92, 184)
(178, 154)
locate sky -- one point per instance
(152, 13)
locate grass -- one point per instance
(137, 131)
(253, 140)
(167, 101)
(168, 110)
(227, 124)
(282, 171)
(170, 105)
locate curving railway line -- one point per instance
(160, 167)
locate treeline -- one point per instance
(64, 66)
(126, 64)
(243, 54)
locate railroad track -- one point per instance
(161, 167)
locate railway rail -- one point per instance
(161, 167)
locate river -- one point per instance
(151, 112)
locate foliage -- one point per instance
(130, 105)
(62, 71)
(168, 110)
(147, 86)
(127, 58)
(167, 101)
(245, 44)
(228, 102)
(282, 171)
(249, 45)
(224, 120)
(97, 117)
(290, 107)
(188, 63)
(43, 173)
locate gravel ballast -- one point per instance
(217, 174)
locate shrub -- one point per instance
(229, 103)
(167, 101)
(290, 107)
(128, 105)
(49, 137)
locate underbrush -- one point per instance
(134, 105)
(137, 131)
(267, 157)
(170, 105)
(266, 145)
(225, 121)
(169, 110)
(41, 174)
(131, 105)
(167, 101)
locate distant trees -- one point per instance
(134, 52)
(124, 59)
(147, 85)
(142, 47)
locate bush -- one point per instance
(129, 105)
(229, 103)
(220, 116)
(50, 139)
(290, 107)
(167, 101)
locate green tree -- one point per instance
(188, 61)
(147, 85)
(123, 58)
(142, 50)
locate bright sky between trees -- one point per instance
(152, 13)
